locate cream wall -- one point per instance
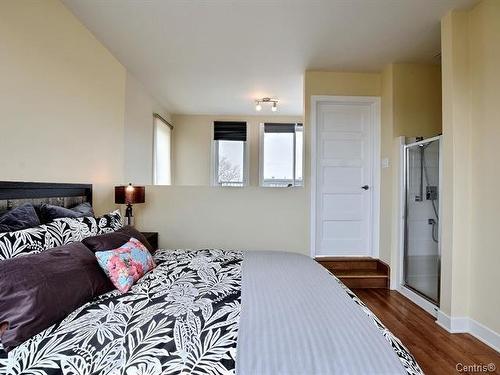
(249, 218)
(191, 150)
(470, 257)
(484, 60)
(455, 174)
(417, 100)
(471, 114)
(138, 135)
(62, 97)
(192, 140)
(387, 187)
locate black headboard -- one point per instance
(14, 193)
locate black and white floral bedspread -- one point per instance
(180, 318)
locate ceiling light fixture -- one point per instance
(274, 102)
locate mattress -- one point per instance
(219, 312)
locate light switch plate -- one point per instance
(385, 163)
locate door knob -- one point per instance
(365, 187)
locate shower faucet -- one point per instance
(431, 193)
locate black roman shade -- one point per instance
(279, 128)
(230, 131)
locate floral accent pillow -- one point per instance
(126, 264)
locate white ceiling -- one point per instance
(217, 56)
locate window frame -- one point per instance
(157, 117)
(214, 161)
(293, 182)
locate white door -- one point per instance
(345, 142)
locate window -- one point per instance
(281, 148)
(229, 154)
(162, 169)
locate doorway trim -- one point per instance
(429, 306)
(374, 102)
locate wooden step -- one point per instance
(338, 263)
(363, 278)
(358, 272)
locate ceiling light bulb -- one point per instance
(274, 108)
(258, 107)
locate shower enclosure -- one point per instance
(421, 262)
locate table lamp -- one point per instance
(129, 195)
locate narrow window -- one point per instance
(229, 154)
(162, 169)
(281, 155)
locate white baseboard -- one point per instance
(422, 302)
(468, 325)
(456, 324)
(394, 284)
(486, 335)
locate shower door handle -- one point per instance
(365, 187)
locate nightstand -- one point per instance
(152, 238)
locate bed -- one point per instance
(213, 311)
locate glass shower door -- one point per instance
(421, 242)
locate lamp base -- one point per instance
(129, 220)
(129, 216)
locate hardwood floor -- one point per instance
(437, 351)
